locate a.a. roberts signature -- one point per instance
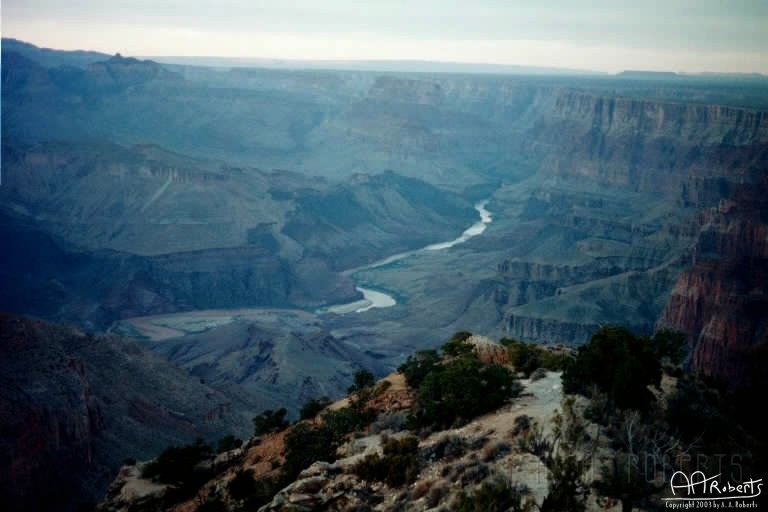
(701, 487)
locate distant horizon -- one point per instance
(682, 36)
(388, 64)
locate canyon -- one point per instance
(231, 209)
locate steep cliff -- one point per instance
(74, 406)
(720, 300)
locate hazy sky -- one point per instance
(675, 35)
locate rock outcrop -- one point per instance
(488, 351)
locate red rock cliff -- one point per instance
(721, 301)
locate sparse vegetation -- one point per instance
(307, 443)
(178, 465)
(567, 489)
(619, 364)
(417, 366)
(250, 492)
(494, 496)
(529, 357)
(270, 421)
(450, 446)
(398, 466)
(522, 424)
(227, 443)
(495, 450)
(456, 346)
(389, 422)
(181, 467)
(533, 441)
(314, 407)
(362, 379)
(459, 389)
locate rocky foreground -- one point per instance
(542, 449)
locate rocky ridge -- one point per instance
(456, 459)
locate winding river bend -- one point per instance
(379, 299)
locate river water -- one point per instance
(380, 299)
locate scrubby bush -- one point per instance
(495, 450)
(528, 357)
(668, 344)
(437, 493)
(362, 379)
(417, 366)
(474, 472)
(460, 390)
(398, 466)
(346, 420)
(567, 491)
(619, 364)
(307, 443)
(534, 442)
(314, 407)
(227, 443)
(521, 425)
(181, 468)
(252, 493)
(494, 496)
(270, 421)
(393, 421)
(457, 346)
(177, 465)
(450, 446)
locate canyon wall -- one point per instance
(73, 406)
(721, 299)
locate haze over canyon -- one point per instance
(219, 241)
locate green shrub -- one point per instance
(460, 390)
(566, 489)
(528, 357)
(496, 450)
(522, 424)
(398, 466)
(253, 493)
(532, 440)
(668, 344)
(418, 365)
(177, 465)
(619, 364)
(457, 346)
(227, 443)
(362, 379)
(450, 446)
(270, 421)
(307, 443)
(314, 407)
(493, 496)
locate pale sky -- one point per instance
(668, 35)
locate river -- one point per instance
(379, 299)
